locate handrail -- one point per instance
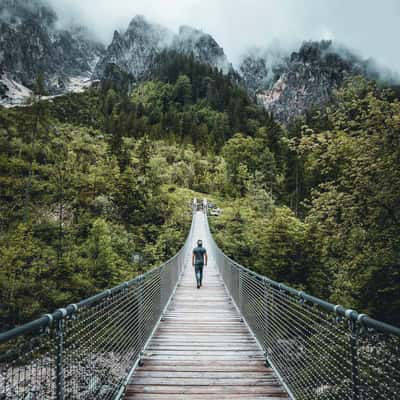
(48, 319)
(348, 313)
(319, 350)
(88, 350)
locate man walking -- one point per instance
(199, 260)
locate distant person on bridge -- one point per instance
(199, 260)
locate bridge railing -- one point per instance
(88, 350)
(319, 350)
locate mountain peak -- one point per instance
(31, 44)
(139, 22)
(304, 80)
(134, 50)
(190, 31)
(203, 46)
(116, 36)
(16, 11)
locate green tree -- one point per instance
(183, 90)
(354, 211)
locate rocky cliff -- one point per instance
(31, 44)
(302, 81)
(203, 46)
(135, 50)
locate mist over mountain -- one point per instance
(301, 81)
(35, 41)
(135, 49)
(203, 46)
(32, 45)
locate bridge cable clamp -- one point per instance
(46, 329)
(360, 321)
(74, 310)
(339, 318)
(63, 312)
(361, 317)
(349, 312)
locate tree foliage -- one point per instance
(91, 183)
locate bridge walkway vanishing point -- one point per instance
(202, 348)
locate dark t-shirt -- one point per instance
(199, 255)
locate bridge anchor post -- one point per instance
(354, 336)
(60, 379)
(141, 359)
(266, 363)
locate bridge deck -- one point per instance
(202, 349)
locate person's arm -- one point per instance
(205, 258)
(192, 259)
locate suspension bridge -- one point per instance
(241, 336)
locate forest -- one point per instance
(95, 188)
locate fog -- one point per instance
(369, 27)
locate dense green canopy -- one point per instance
(95, 188)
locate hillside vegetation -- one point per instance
(95, 188)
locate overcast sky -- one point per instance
(371, 27)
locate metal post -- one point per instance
(240, 289)
(354, 359)
(265, 319)
(141, 321)
(60, 379)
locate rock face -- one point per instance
(203, 47)
(255, 74)
(303, 81)
(31, 44)
(135, 50)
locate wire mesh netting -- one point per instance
(320, 351)
(87, 350)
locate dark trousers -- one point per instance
(198, 269)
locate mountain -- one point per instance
(136, 50)
(203, 47)
(302, 81)
(32, 44)
(255, 74)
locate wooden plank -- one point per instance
(201, 374)
(210, 396)
(203, 351)
(206, 390)
(177, 381)
(201, 347)
(204, 357)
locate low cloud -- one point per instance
(368, 26)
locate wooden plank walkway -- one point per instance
(202, 349)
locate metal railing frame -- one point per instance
(280, 318)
